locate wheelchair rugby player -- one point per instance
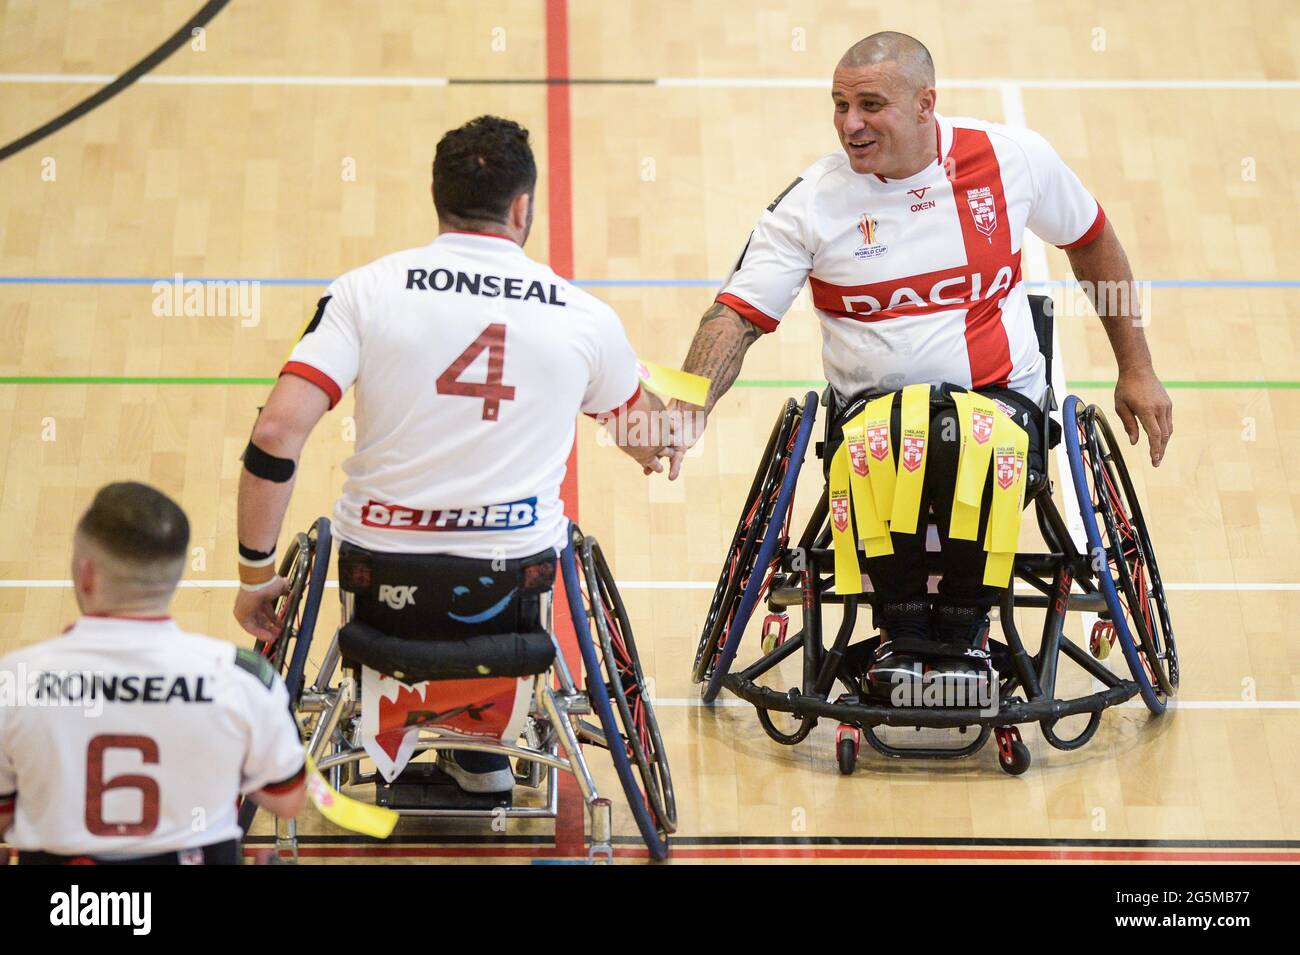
(909, 238)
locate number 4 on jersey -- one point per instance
(491, 390)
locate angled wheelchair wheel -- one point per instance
(739, 564)
(749, 570)
(306, 566)
(1128, 575)
(628, 729)
(627, 686)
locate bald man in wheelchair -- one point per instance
(909, 238)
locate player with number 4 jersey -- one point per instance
(470, 364)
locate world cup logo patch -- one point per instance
(913, 452)
(858, 458)
(840, 512)
(878, 441)
(981, 426)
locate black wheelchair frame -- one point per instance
(1117, 579)
(560, 718)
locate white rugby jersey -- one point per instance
(917, 280)
(471, 363)
(127, 736)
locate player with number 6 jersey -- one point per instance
(127, 738)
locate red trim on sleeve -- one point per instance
(287, 785)
(7, 803)
(760, 320)
(636, 396)
(317, 377)
(1094, 231)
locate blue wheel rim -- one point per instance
(1078, 473)
(765, 551)
(315, 592)
(600, 702)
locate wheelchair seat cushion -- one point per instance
(414, 661)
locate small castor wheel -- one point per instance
(1013, 754)
(847, 740)
(774, 631)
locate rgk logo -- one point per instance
(397, 596)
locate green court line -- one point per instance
(1266, 385)
(1173, 383)
(128, 380)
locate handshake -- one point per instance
(653, 434)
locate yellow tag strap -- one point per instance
(848, 573)
(671, 383)
(976, 415)
(1010, 452)
(880, 453)
(345, 812)
(870, 523)
(913, 450)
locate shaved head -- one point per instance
(909, 53)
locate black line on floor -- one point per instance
(206, 13)
(545, 81)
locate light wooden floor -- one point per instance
(245, 179)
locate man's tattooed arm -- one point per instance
(718, 349)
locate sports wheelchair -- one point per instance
(1117, 580)
(548, 721)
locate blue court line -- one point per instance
(589, 283)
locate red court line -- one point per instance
(740, 854)
(569, 837)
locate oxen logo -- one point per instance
(878, 441)
(981, 426)
(858, 457)
(983, 210)
(1008, 469)
(396, 596)
(913, 452)
(840, 512)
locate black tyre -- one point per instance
(847, 755)
(739, 564)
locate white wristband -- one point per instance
(254, 588)
(264, 562)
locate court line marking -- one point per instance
(694, 702)
(15, 583)
(1171, 384)
(735, 82)
(312, 282)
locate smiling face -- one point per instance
(885, 124)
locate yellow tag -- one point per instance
(880, 453)
(865, 514)
(915, 425)
(976, 415)
(848, 574)
(671, 383)
(1010, 453)
(345, 812)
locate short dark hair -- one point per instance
(480, 168)
(136, 523)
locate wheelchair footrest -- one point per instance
(425, 786)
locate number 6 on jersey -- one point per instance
(491, 390)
